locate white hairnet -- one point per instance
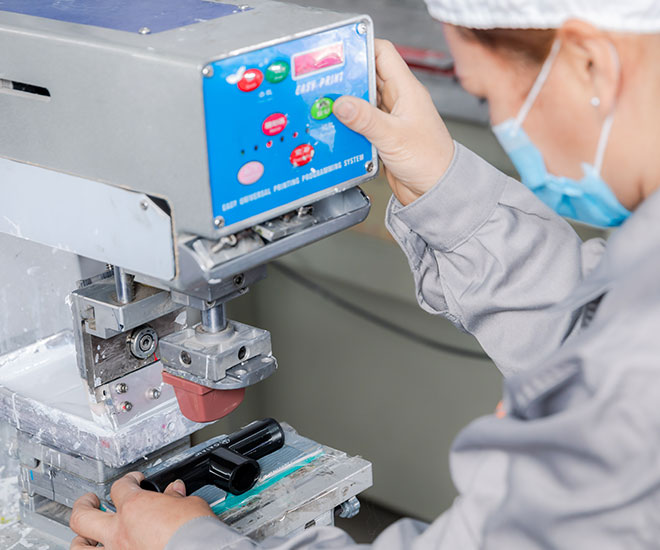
(637, 16)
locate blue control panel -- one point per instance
(272, 137)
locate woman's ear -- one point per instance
(593, 57)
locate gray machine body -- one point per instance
(126, 108)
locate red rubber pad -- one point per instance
(201, 404)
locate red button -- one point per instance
(274, 124)
(302, 155)
(252, 79)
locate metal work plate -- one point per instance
(124, 15)
(301, 484)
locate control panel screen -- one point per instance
(273, 140)
(316, 61)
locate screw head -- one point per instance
(144, 30)
(144, 204)
(153, 393)
(362, 28)
(122, 387)
(207, 71)
(370, 167)
(185, 358)
(219, 222)
(243, 7)
(126, 406)
(239, 280)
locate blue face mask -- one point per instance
(589, 199)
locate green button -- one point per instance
(277, 72)
(322, 108)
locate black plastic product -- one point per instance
(230, 464)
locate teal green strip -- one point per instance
(237, 501)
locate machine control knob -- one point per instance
(303, 154)
(274, 124)
(251, 173)
(322, 108)
(143, 342)
(278, 71)
(252, 79)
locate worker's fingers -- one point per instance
(363, 118)
(88, 521)
(391, 69)
(176, 489)
(126, 487)
(80, 543)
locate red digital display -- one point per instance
(319, 60)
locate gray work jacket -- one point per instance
(575, 328)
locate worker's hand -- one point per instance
(144, 520)
(412, 139)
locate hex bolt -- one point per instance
(362, 28)
(348, 509)
(153, 393)
(126, 406)
(144, 30)
(219, 222)
(207, 71)
(122, 387)
(185, 358)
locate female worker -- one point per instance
(573, 458)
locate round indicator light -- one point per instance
(250, 173)
(303, 154)
(322, 108)
(277, 72)
(252, 79)
(274, 124)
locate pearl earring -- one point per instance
(595, 101)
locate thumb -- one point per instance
(176, 489)
(362, 117)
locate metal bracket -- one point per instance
(206, 358)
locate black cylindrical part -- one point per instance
(232, 472)
(193, 471)
(231, 465)
(258, 439)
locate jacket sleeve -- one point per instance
(493, 259)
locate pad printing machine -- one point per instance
(183, 144)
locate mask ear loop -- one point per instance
(607, 125)
(538, 85)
